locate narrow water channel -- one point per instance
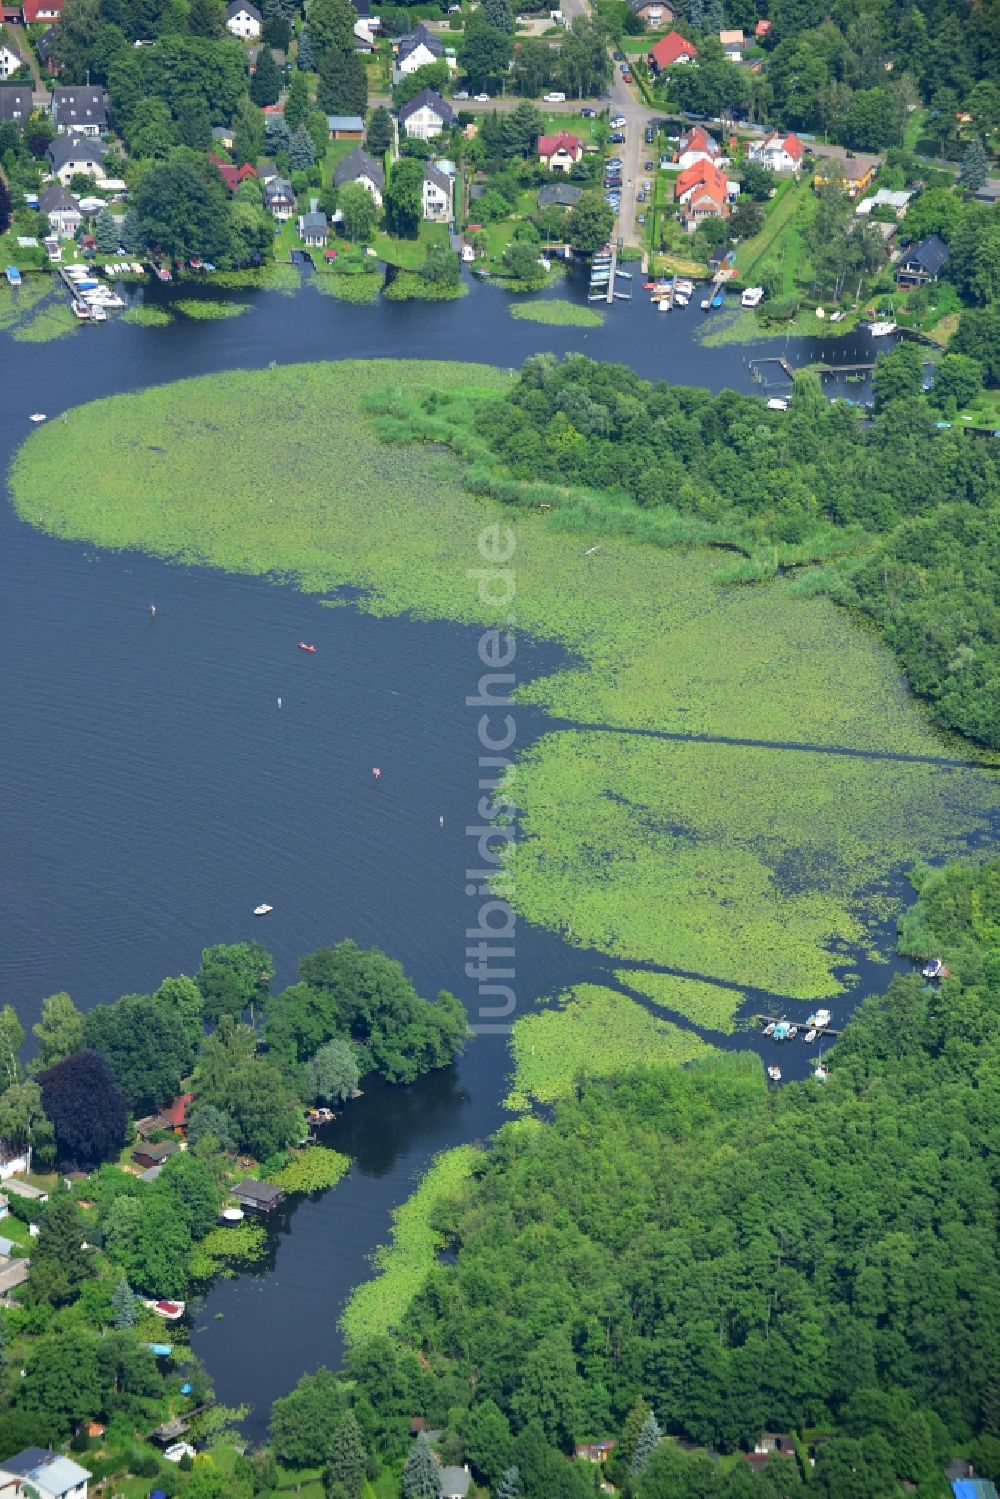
(153, 793)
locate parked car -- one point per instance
(618, 56)
(624, 67)
(641, 219)
(640, 196)
(626, 78)
(481, 98)
(588, 114)
(617, 139)
(650, 135)
(555, 98)
(619, 122)
(463, 93)
(649, 166)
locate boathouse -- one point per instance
(261, 1196)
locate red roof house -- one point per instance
(231, 176)
(762, 28)
(702, 173)
(176, 1115)
(704, 192)
(561, 151)
(41, 10)
(671, 49)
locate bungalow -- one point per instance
(770, 1443)
(559, 195)
(10, 59)
(279, 199)
(418, 48)
(777, 152)
(313, 226)
(762, 29)
(176, 1114)
(261, 1196)
(359, 166)
(231, 175)
(696, 145)
(653, 13)
(153, 1155)
(244, 20)
(455, 1482)
(224, 136)
(44, 11)
(671, 49)
(61, 209)
(560, 152)
(69, 155)
(425, 116)
(733, 44)
(15, 102)
(79, 111)
(596, 1452)
(345, 127)
(922, 263)
(854, 175)
(438, 195)
(48, 1474)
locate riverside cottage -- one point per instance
(262, 1197)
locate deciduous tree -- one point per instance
(88, 1111)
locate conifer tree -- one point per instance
(509, 1486)
(305, 57)
(379, 131)
(421, 1474)
(297, 102)
(649, 1439)
(106, 232)
(345, 1472)
(634, 1422)
(265, 85)
(132, 240)
(123, 1305)
(301, 152)
(975, 167)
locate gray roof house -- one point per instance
(15, 101)
(279, 198)
(438, 195)
(69, 154)
(455, 1482)
(426, 115)
(49, 1473)
(414, 40)
(313, 230)
(923, 262)
(79, 111)
(262, 1196)
(562, 194)
(359, 166)
(61, 209)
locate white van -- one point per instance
(555, 98)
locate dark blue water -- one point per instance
(152, 793)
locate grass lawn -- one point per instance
(591, 132)
(410, 254)
(780, 239)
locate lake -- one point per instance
(153, 793)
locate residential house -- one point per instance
(703, 193)
(366, 36)
(70, 154)
(176, 1114)
(426, 115)
(418, 48)
(438, 195)
(559, 195)
(761, 30)
(153, 1155)
(79, 111)
(224, 136)
(854, 175)
(313, 226)
(653, 13)
(973, 1488)
(671, 49)
(922, 263)
(777, 152)
(733, 45)
(696, 145)
(61, 209)
(279, 199)
(346, 127)
(770, 1443)
(596, 1452)
(560, 152)
(51, 1475)
(10, 59)
(455, 1482)
(15, 102)
(41, 11)
(252, 54)
(244, 20)
(231, 175)
(261, 1196)
(885, 198)
(359, 166)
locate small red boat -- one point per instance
(303, 646)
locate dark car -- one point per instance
(617, 139)
(618, 56)
(650, 135)
(650, 166)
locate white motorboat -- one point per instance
(38, 416)
(752, 297)
(262, 909)
(663, 305)
(774, 1073)
(882, 330)
(809, 1036)
(793, 1031)
(232, 1215)
(681, 298)
(81, 310)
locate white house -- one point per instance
(313, 226)
(10, 60)
(418, 48)
(279, 198)
(65, 217)
(243, 20)
(80, 110)
(51, 1475)
(359, 166)
(560, 152)
(69, 154)
(781, 153)
(732, 43)
(438, 195)
(425, 115)
(696, 145)
(885, 198)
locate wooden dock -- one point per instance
(821, 1030)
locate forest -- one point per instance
(684, 1254)
(896, 515)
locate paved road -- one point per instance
(633, 154)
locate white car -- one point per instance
(619, 122)
(481, 98)
(555, 98)
(463, 93)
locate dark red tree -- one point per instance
(88, 1111)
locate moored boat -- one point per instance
(774, 1073)
(305, 646)
(262, 909)
(232, 1215)
(809, 1036)
(934, 969)
(882, 329)
(769, 1028)
(793, 1031)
